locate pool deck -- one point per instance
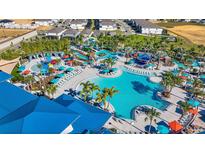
(87, 73)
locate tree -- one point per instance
(111, 92)
(101, 97)
(152, 114)
(29, 80)
(185, 106)
(93, 88)
(86, 91)
(169, 80)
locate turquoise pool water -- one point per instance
(134, 90)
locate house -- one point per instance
(71, 33)
(55, 32)
(66, 23)
(6, 22)
(107, 25)
(79, 24)
(43, 22)
(87, 32)
(24, 113)
(145, 27)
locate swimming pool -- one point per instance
(106, 54)
(134, 90)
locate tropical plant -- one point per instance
(94, 87)
(169, 80)
(51, 90)
(86, 91)
(101, 98)
(185, 106)
(152, 114)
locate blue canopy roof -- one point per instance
(39, 116)
(91, 118)
(4, 76)
(12, 97)
(54, 80)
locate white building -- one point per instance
(43, 22)
(6, 22)
(107, 25)
(79, 24)
(55, 32)
(146, 27)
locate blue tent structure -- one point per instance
(21, 68)
(91, 118)
(24, 113)
(163, 129)
(4, 76)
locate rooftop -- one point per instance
(79, 21)
(56, 30)
(145, 24)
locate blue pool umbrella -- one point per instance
(60, 75)
(106, 71)
(185, 74)
(114, 69)
(69, 69)
(202, 76)
(43, 70)
(61, 68)
(194, 103)
(162, 129)
(21, 68)
(54, 80)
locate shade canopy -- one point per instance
(194, 102)
(54, 80)
(60, 75)
(21, 68)
(175, 126)
(163, 129)
(66, 56)
(183, 77)
(69, 69)
(61, 68)
(193, 111)
(26, 72)
(53, 62)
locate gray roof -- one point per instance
(6, 21)
(43, 20)
(145, 24)
(67, 21)
(56, 30)
(71, 33)
(108, 22)
(79, 21)
(86, 32)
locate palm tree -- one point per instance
(185, 106)
(101, 97)
(152, 114)
(94, 87)
(169, 80)
(86, 91)
(29, 80)
(111, 92)
(53, 89)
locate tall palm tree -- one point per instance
(101, 98)
(185, 106)
(152, 114)
(86, 91)
(111, 92)
(94, 87)
(169, 80)
(53, 89)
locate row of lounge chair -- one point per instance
(68, 76)
(140, 72)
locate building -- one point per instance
(66, 23)
(107, 25)
(55, 32)
(71, 33)
(145, 27)
(43, 22)
(87, 32)
(78, 24)
(6, 22)
(24, 113)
